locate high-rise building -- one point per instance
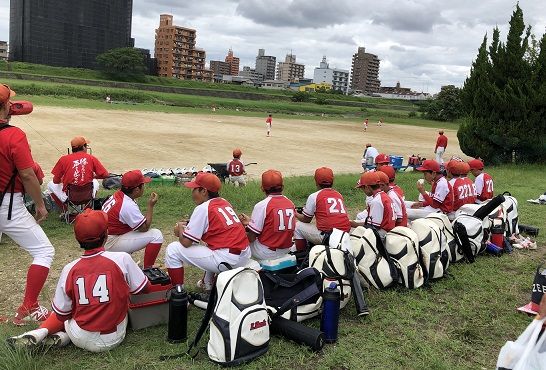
(233, 63)
(365, 72)
(265, 65)
(3, 50)
(176, 53)
(69, 33)
(219, 69)
(252, 74)
(338, 78)
(289, 70)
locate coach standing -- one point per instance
(17, 177)
(441, 145)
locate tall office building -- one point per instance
(3, 50)
(176, 53)
(69, 33)
(365, 72)
(338, 78)
(289, 70)
(265, 65)
(233, 62)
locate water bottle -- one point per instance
(178, 315)
(330, 313)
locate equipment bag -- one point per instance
(455, 254)
(239, 322)
(433, 245)
(469, 235)
(402, 244)
(373, 262)
(510, 206)
(296, 297)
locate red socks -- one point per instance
(53, 324)
(301, 244)
(176, 275)
(36, 277)
(150, 254)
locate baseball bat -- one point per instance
(299, 333)
(360, 302)
(489, 207)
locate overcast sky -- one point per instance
(423, 44)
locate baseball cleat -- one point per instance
(59, 339)
(29, 339)
(25, 316)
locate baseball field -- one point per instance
(460, 321)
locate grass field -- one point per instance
(459, 322)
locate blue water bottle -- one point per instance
(329, 321)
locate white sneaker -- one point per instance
(29, 339)
(201, 284)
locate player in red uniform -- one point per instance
(463, 189)
(326, 206)
(398, 205)
(213, 222)
(441, 197)
(128, 229)
(236, 169)
(381, 160)
(17, 176)
(271, 226)
(483, 181)
(268, 123)
(441, 146)
(78, 168)
(92, 296)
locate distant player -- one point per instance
(327, 207)
(128, 229)
(268, 122)
(483, 181)
(441, 146)
(271, 227)
(366, 124)
(380, 122)
(92, 296)
(369, 152)
(236, 169)
(213, 222)
(78, 168)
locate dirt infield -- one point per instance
(125, 140)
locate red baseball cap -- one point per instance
(205, 180)
(134, 178)
(5, 93)
(90, 226)
(324, 176)
(271, 179)
(79, 141)
(237, 152)
(383, 178)
(389, 171)
(382, 158)
(368, 178)
(453, 167)
(464, 168)
(429, 165)
(475, 164)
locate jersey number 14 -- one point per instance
(100, 289)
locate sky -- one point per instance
(422, 44)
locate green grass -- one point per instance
(458, 322)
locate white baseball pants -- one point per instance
(261, 252)
(57, 189)
(92, 341)
(132, 241)
(308, 232)
(237, 180)
(25, 231)
(415, 213)
(439, 154)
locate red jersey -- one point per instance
(484, 186)
(441, 141)
(463, 192)
(236, 167)
(123, 214)
(274, 222)
(216, 223)
(269, 120)
(398, 208)
(380, 213)
(78, 168)
(95, 288)
(442, 193)
(398, 190)
(328, 207)
(14, 156)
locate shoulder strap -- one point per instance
(213, 298)
(309, 292)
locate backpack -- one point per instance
(469, 235)
(510, 206)
(239, 322)
(433, 246)
(455, 254)
(296, 297)
(402, 244)
(373, 262)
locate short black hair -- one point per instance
(128, 191)
(374, 187)
(325, 186)
(78, 149)
(213, 194)
(276, 189)
(93, 245)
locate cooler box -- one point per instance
(396, 161)
(279, 264)
(151, 308)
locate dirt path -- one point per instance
(125, 140)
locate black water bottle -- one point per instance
(178, 315)
(331, 300)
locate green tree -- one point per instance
(446, 106)
(300, 97)
(123, 64)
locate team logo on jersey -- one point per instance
(258, 324)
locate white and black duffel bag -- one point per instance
(433, 247)
(402, 244)
(510, 206)
(469, 235)
(373, 262)
(455, 253)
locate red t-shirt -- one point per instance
(269, 120)
(216, 223)
(463, 192)
(78, 168)
(328, 208)
(14, 155)
(441, 141)
(273, 220)
(236, 167)
(39, 173)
